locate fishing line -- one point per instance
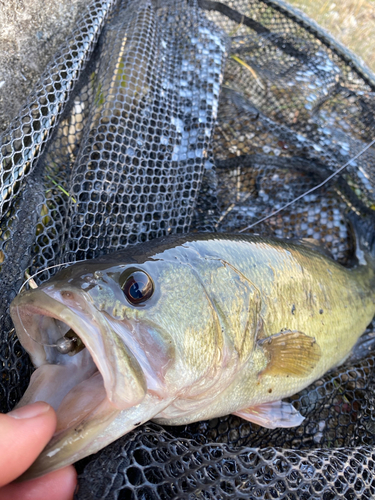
(46, 269)
(310, 190)
(60, 345)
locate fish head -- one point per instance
(150, 334)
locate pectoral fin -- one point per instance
(272, 415)
(290, 353)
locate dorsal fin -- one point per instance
(313, 244)
(363, 229)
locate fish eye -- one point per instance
(136, 285)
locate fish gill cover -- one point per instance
(160, 117)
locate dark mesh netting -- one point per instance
(160, 117)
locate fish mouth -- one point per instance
(88, 390)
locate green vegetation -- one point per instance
(352, 22)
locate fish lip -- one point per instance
(28, 307)
(115, 362)
(27, 310)
(32, 312)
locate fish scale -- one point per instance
(237, 323)
(274, 135)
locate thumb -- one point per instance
(24, 432)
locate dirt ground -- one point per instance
(31, 32)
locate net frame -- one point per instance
(274, 473)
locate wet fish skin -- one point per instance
(235, 324)
(261, 287)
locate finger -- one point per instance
(23, 435)
(58, 485)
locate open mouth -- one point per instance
(89, 389)
(100, 393)
(72, 384)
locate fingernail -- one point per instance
(30, 411)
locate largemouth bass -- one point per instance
(183, 329)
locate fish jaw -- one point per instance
(98, 430)
(41, 319)
(91, 391)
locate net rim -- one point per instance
(321, 33)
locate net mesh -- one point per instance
(184, 116)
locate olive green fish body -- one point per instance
(258, 288)
(187, 328)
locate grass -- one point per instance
(249, 68)
(60, 188)
(352, 22)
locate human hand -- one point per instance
(23, 435)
